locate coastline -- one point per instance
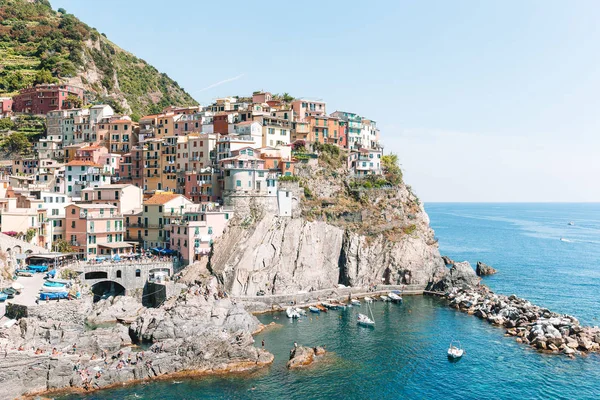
(238, 368)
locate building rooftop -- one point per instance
(94, 206)
(81, 163)
(161, 198)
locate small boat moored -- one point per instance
(368, 299)
(395, 297)
(292, 313)
(384, 298)
(314, 309)
(455, 351)
(355, 302)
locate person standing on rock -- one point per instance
(263, 343)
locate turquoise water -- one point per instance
(405, 355)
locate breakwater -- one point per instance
(530, 324)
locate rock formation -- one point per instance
(460, 275)
(302, 356)
(196, 333)
(484, 269)
(338, 236)
(447, 260)
(530, 324)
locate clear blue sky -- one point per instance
(482, 101)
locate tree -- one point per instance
(16, 143)
(44, 76)
(6, 124)
(62, 11)
(74, 101)
(391, 169)
(287, 98)
(62, 246)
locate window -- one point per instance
(160, 209)
(145, 208)
(72, 224)
(72, 209)
(138, 273)
(238, 183)
(118, 273)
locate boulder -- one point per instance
(302, 356)
(461, 275)
(484, 269)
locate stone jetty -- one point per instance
(530, 324)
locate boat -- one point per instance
(330, 306)
(321, 307)
(364, 320)
(10, 292)
(301, 311)
(54, 284)
(384, 298)
(368, 299)
(292, 313)
(455, 351)
(355, 302)
(38, 268)
(3, 296)
(63, 281)
(54, 296)
(24, 272)
(395, 298)
(53, 289)
(314, 309)
(571, 223)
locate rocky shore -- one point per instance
(192, 334)
(302, 356)
(530, 324)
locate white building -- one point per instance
(83, 174)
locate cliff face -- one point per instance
(336, 235)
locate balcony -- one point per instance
(98, 215)
(73, 243)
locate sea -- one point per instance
(538, 255)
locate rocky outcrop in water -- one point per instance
(447, 260)
(196, 333)
(302, 356)
(484, 269)
(530, 324)
(460, 275)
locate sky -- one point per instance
(489, 101)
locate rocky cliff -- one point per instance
(196, 333)
(341, 232)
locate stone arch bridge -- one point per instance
(131, 275)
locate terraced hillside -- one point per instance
(39, 45)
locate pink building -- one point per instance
(202, 185)
(95, 229)
(42, 99)
(261, 97)
(91, 153)
(306, 108)
(6, 104)
(193, 236)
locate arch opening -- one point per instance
(106, 289)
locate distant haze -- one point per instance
(483, 101)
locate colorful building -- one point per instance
(44, 98)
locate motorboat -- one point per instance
(395, 298)
(53, 289)
(384, 298)
(38, 268)
(355, 302)
(330, 306)
(571, 223)
(54, 296)
(368, 299)
(3, 296)
(321, 307)
(301, 311)
(10, 292)
(291, 312)
(455, 351)
(314, 309)
(63, 281)
(54, 284)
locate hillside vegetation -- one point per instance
(40, 45)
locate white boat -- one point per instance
(368, 299)
(291, 312)
(301, 311)
(355, 302)
(314, 309)
(571, 223)
(384, 298)
(365, 320)
(455, 351)
(394, 297)
(53, 289)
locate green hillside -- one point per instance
(38, 44)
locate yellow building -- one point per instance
(122, 136)
(159, 211)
